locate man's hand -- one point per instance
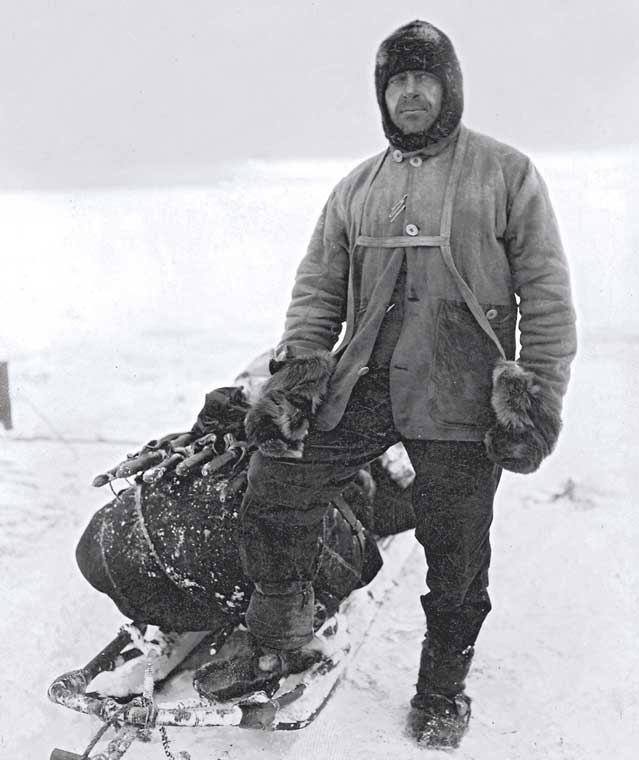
(279, 420)
(527, 422)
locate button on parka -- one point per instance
(473, 215)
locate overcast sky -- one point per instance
(161, 91)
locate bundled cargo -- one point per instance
(165, 549)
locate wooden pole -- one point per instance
(5, 400)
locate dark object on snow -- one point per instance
(5, 399)
(528, 422)
(278, 421)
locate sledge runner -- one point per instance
(423, 251)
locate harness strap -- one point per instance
(402, 241)
(356, 526)
(365, 193)
(446, 224)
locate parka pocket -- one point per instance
(463, 361)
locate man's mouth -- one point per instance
(412, 108)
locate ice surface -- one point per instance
(120, 310)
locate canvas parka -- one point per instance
(486, 204)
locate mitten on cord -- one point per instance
(279, 420)
(527, 419)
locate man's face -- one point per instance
(414, 100)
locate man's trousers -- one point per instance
(286, 500)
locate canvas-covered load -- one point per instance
(167, 553)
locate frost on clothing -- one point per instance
(504, 241)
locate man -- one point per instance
(422, 250)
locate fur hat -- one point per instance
(419, 46)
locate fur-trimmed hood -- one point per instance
(420, 46)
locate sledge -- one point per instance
(164, 550)
(133, 687)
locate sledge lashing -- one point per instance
(165, 551)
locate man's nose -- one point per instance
(409, 85)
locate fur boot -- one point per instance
(279, 420)
(440, 710)
(527, 419)
(438, 722)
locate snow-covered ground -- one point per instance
(121, 308)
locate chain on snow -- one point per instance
(167, 747)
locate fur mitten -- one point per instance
(527, 419)
(279, 420)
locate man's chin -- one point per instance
(412, 129)
(414, 125)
